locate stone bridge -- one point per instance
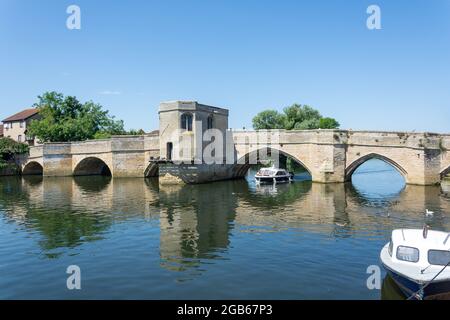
(330, 156)
(123, 156)
(334, 155)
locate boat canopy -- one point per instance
(268, 172)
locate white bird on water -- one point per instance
(339, 224)
(428, 213)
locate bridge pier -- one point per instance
(57, 160)
(128, 158)
(330, 166)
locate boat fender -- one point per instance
(425, 231)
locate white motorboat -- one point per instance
(273, 175)
(418, 261)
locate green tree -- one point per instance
(107, 135)
(9, 149)
(67, 119)
(268, 119)
(296, 116)
(134, 132)
(307, 124)
(301, 117)
(328, 123)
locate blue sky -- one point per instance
(243, 55)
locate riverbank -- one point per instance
(12, 153)
(11, 170)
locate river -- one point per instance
(132, 239)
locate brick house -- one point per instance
(15, 126)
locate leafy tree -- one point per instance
(134, 132)
(307, 124)
(67, 119)
(328, 123)
(293, 117)
(107, 135)
(301, 117)
(9, 149)
(268, 119)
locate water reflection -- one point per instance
(197, 220)
(446, 188)
(201, 225)
(195, 223)
(390, 290)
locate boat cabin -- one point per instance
(422, 247)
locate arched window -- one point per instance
(210, 122)
(186, 121)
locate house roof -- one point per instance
(22, 115)
(1, 130)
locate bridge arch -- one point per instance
(357, 163)
(243, 165)
(445, 173)
(91, 166)
(33, 168)
(152, 170)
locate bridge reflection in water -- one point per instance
(200, 225)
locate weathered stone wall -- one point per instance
(36, 153)
(169, 122)
(57, 159)
(193, 173)
(445, 160)
(151, 147)
(128, 156)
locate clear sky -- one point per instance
(245, 55)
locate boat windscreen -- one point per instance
(409, 254)
(438, 257)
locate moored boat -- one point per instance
(273, 175)
(418, 261)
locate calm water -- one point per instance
(228, 240)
